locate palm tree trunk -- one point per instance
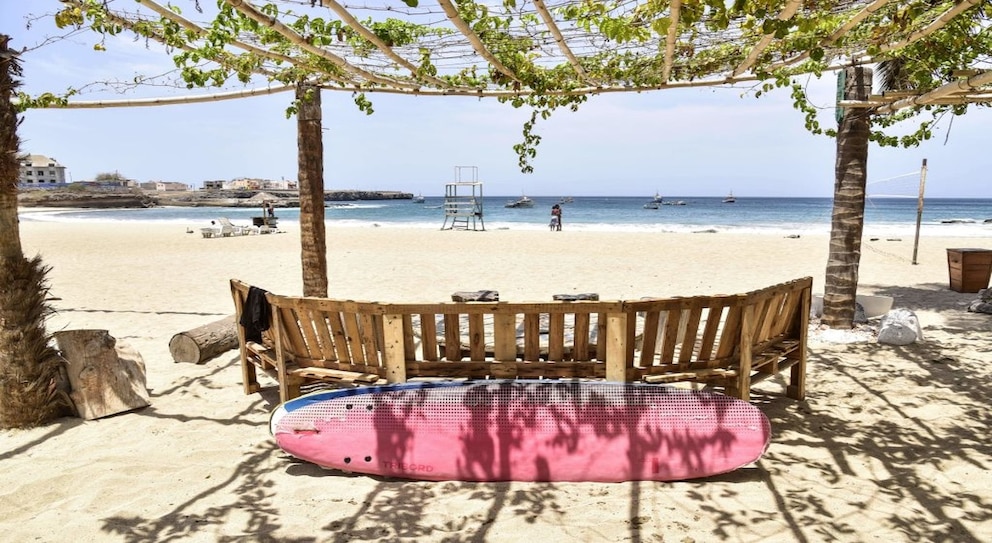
(29, 367)
(847, 222)
(313, 238)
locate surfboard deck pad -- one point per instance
(523, 430)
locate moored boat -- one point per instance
(418, 199)
(729, 199)
(523, 201)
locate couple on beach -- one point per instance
(555, 225)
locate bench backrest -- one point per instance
(707, 332)
(694, 337)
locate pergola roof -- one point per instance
(545, 47)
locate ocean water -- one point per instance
(883, 216)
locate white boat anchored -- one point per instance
(418, 199)
(729, 199)
(523, 201)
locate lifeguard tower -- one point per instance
(463, 201)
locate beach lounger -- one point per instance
(228, 229)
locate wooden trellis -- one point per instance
(668, 42)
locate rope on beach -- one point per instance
(893, 256)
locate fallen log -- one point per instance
(198, 345)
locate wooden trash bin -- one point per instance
(969, 269)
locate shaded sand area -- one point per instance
(892, 443)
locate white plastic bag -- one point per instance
(899, 327)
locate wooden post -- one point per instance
(198, 345)
(107, 377)
(919, 209)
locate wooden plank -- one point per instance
(714, 320)
(339, 335)
(532, 337)
(325, 336)
(505, 337)
(291, 340)
(367, 333)
(556, 337)
(249, 379)
(616, 346)
(353, 337)
(601, 336)
(394, 353)
(673, 322)
(743, 385)
(428, 337)
(649, 337)
(580, 347)
(409, 345)
(476, 337)
(452, 337)
(690, 332)
(731, 332)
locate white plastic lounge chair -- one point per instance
(227, 229)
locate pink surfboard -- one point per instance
(523, 430)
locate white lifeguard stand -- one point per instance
(463, 201)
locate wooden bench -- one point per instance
(728, 342)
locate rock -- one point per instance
(475, 296)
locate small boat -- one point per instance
(418, 199)
(657, 198)
(523, 201)
(566, 200)
(729, 199)
(651, 205)
(675, 203)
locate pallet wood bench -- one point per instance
(726, 342)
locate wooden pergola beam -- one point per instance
(351, 21)
(173, 100)
(200, 31)
(839, 33)
(452, 13)
(670, 40)
(961, 86)
(130, 25)
(254, 14)
(787, 13)
(549, 21)
(937, 24)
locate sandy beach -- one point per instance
(892, 443)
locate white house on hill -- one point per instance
(40, 171)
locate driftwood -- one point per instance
(107, 377)
(198, 345)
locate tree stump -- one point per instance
(107, 377)
(198, 345)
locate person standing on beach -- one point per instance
(556, 217)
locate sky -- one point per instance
(679, 143)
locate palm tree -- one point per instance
(310, 153)
(29, 366)
(847, 222)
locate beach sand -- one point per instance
(892, 443)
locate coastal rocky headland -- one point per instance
(131, 198)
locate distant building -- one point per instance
(40, 171)
(214, 185)
(164, 186)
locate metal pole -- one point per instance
(919, 210)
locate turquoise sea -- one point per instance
(883, 216)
